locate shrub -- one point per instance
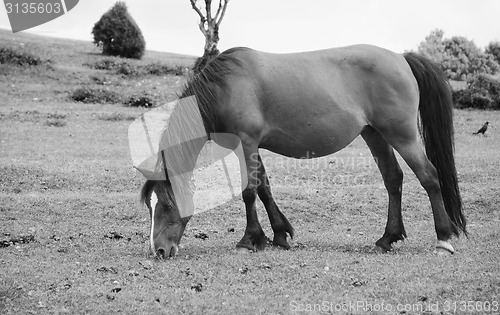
(127, 69)
(463, 59)
(150, 69)
(494, 50)
(101, 80)
(161, 69)
(110, 64)
(459, 57)
(56, 116)
(88, 95)
(140, 101)
(115, 117)
(118, 34)
(482, 92)
(20, 58)
(55, 122)
(105, 64)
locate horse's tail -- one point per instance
(436, 119)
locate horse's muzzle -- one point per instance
(166, 252)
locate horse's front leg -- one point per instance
(279, 222)
(254, 237)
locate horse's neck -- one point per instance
(184, 136)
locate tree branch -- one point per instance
(203, 20)
(208, 8)
(193, 4)
(218, 11)
(218, 19)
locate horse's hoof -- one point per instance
(444, 248)
(284, 246)
(281, 242)
(243, 250)
(260, 246)
(379, 249)
(383, 246)
(443, 252)
(259, 243)
(245, 245)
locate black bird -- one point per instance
(483, 129)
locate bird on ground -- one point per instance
(483, 129)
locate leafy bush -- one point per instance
(494, 50)
(463, 58)
(151, 69)
(21, 58)
(459, 57)
(482, 92)
(105, 64)
(161, 69)
(127, 69)
(88, 95)
(55, 122)
(56, 116)
(115, 117)
(118, 34)
(101, 80)
(140, 101)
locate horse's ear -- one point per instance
(146, 190)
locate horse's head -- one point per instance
(167, 225)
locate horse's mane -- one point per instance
(204, 85)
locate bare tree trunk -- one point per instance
(209, 26)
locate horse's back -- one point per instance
(318, 63)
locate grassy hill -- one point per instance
(77, 52)
(74, 238)
(66, 65)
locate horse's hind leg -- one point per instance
(279, 222)
(427, 174)
(393, 180)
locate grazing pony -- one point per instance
(314, 104)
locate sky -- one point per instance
(290, 25)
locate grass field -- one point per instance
(74, 236)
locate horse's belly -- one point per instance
(320, 128)
(308, 142)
